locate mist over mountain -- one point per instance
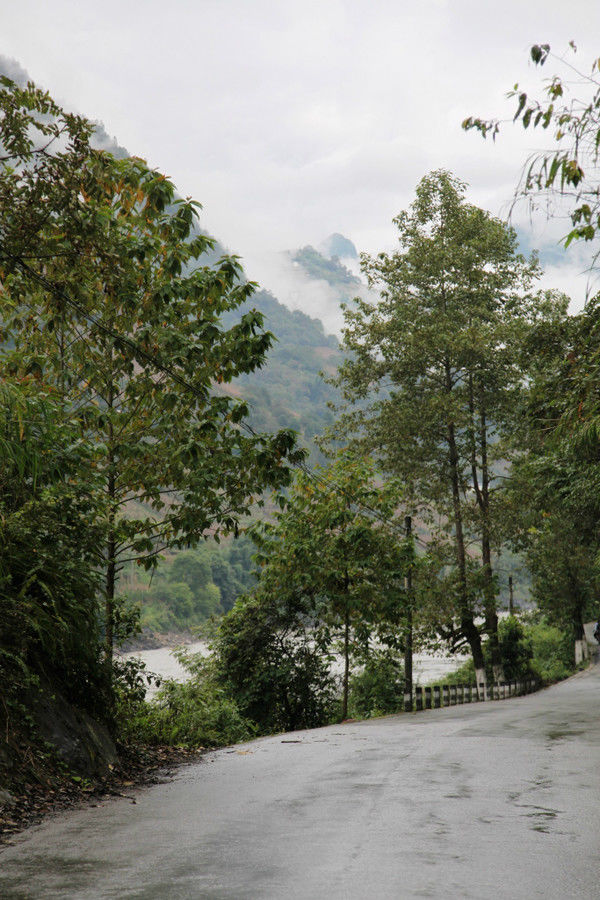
(288, 392)
(101, 139)
(313, 279)
(327, 268)
(559, 264)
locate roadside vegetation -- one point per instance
(530, 647)
(462, 436)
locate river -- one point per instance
(427, 668)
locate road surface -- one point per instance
(496, 800)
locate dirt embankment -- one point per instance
(64, 758)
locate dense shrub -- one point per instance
(49, 534)
(379, 688)
(529, 648)
(552, 652)
(269, 659)
(195, 713)
(516, 649)
(465, 674)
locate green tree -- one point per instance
(555, 484)
(272, 657)
(232, 569)
(50, 526)
(335, 549)
(379, 687)
(224, 576)
(564, 577)
(106, 298)
(432, 375)
(192, 567)
(561, 466)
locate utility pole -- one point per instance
(408, 640)
(511, 605)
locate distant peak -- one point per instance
(340, 246)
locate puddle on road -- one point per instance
(462, 792)
(560, 734)
(541, 817)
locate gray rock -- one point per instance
(83, 744)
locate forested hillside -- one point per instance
(329, 269)
(289, 390)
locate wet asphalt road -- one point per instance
(500, 800)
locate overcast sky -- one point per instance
(290, 121)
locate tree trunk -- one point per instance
(408, 639)
(491, 613)
(581, 647)
(467, 624)
(471, 633)
(346, 663)
(109, 605)
(482, 494)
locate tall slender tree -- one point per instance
(432, 373)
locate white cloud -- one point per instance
(291, 286)
(293, 120)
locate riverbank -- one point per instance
(153, 640)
